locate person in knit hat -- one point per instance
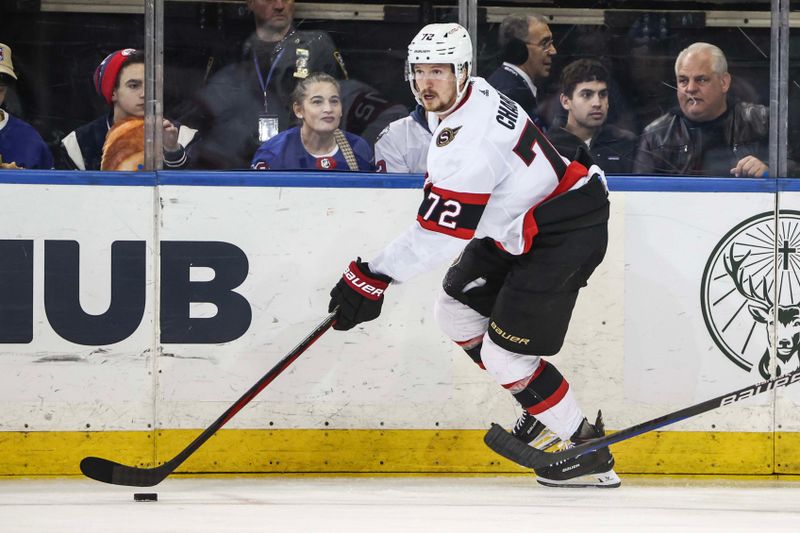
(119, 80)
(21, 146)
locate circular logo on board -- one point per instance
(750, 292)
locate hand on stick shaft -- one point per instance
(359, 295)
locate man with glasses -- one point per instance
(527, 53)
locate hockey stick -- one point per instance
(505, 444)
(132, 476)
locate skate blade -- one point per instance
(604, 480)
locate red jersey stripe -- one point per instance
(575, 171)
(460, 233)
(473, 198)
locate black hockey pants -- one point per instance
(529, 298)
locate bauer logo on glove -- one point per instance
(363, 286)
(359, 295)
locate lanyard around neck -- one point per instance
(261, 81)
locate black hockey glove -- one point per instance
(359, 295)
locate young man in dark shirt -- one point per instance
(584, 95)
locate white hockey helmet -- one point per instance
(441, 43)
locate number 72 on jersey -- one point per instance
(451, 212)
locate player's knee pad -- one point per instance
(476, 276)
(507, 367)
(458, 321)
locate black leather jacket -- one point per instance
(673, 144)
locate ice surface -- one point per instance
(379, 504)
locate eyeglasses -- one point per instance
(544, 45)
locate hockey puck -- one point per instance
(145, 497)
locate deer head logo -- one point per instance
(750, 294)
(786, 330)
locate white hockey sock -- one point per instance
(564, 418)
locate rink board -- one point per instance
(382, 451)
(394, 395)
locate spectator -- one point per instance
(707, 134)
(21, 146)
(403, 145)
(527, 53)
(584, 95)
(318, 143)
(119, 79)
(244, 94)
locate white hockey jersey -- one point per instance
(403, 145)
(489, 166)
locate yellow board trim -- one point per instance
(384, 451)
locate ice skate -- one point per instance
(532, 432)
(593, 469)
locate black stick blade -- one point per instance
(510, 447)
(504, 443)
(118, 474)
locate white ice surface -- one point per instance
(381, 504)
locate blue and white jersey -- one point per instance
(21, 144)
(285, 151)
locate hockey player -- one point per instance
(535, 227)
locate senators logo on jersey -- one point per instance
(446, 136)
